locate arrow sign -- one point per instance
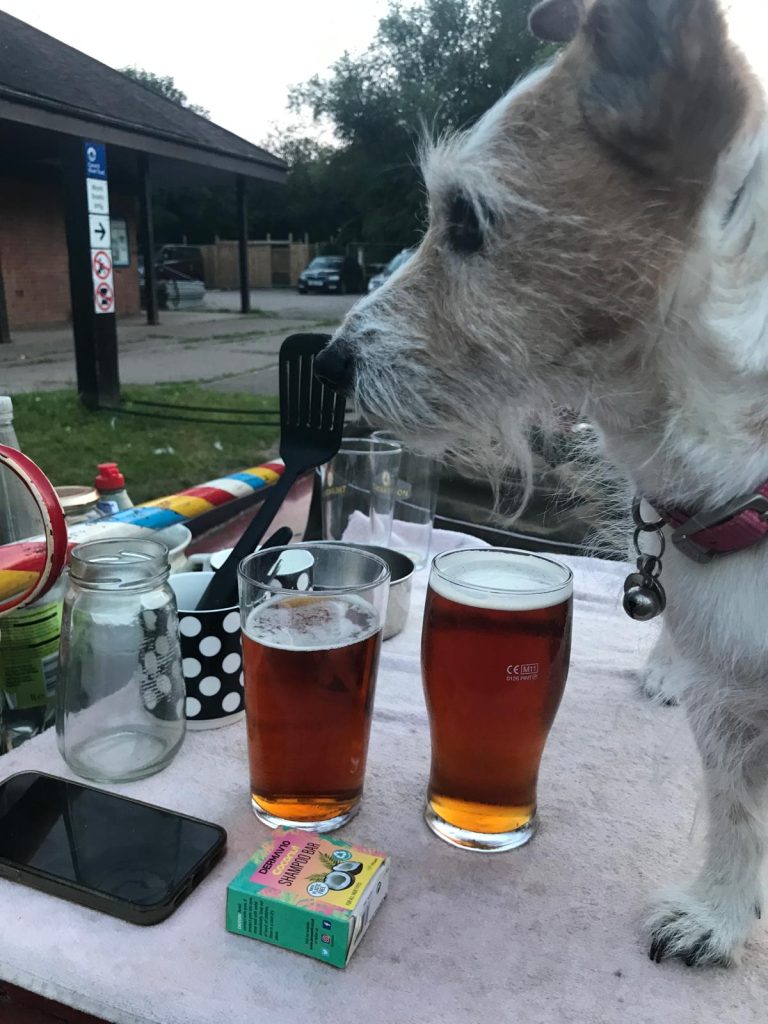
(99, 230)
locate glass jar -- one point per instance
(79, 503)
(120, 705)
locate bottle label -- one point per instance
(107, 507)
(29, 652)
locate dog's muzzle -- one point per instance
(335, 366)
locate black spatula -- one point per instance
(311, 425)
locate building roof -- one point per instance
(47, 82)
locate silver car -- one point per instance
(383, 275)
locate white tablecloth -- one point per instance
(548, 934)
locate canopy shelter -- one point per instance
(58, 109)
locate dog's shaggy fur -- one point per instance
(599, 241)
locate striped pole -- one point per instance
(21, 562)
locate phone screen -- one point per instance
(107, 844)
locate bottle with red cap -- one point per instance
(110, 483)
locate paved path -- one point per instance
(224, 349)
(284, 301)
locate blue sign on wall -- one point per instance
(95, 159)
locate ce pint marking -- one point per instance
(102, 264)
(523, 670)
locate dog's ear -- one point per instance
(557, 21)
(663, 88)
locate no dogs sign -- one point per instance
(104, 297)
(103, 282)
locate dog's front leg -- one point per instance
(706, 921)
(661, 679)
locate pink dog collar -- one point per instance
(728, 528)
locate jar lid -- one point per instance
(74, 498)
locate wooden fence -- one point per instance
(271, 263)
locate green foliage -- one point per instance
(164, 85)
(158, 457)
(432, 67)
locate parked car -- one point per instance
(397, 261)
(339, 274)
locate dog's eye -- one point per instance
(464, 232)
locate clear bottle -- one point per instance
(120, 706)
(19, 517)
(29, 637)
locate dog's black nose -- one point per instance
(335, 366)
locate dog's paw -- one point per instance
(701, 932)
(659, 683)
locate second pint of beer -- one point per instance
(495, 652)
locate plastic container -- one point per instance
(110, 483)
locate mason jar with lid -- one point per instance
(120, 706)
(79, 503)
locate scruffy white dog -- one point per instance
(599, 240)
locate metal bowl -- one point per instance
(401, 570)
(177, 539)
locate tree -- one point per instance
(313, 200)
(438, 64)
(164, 85)
(353, 173)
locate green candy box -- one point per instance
(308, 893)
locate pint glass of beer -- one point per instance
(495, 650)
(310, 651)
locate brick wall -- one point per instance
(33, 254)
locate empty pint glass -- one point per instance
(310, 650)
(495, 650)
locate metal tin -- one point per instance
(401, 570)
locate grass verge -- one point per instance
(158, 457)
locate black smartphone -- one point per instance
(111, 853)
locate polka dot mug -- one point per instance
(211, 653)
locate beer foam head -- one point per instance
(500, 579)
(312, 623)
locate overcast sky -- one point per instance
(235, 57)
(238, 58)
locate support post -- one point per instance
(147, 240)
(95, 333)
(242, 245)
(5, 330)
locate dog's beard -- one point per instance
(453, 417)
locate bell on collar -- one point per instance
(644, 601)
